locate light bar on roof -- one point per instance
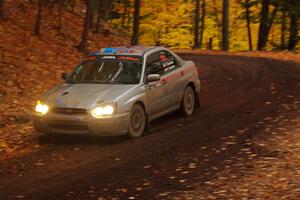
(109, 50)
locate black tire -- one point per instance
(188, 102)
(137, 121)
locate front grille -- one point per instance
(67, 125)
(69, 111)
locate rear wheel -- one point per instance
(137, 121)
(188, 101)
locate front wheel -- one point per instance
(137, 121)
(188, 101)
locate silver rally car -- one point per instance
(119, 91)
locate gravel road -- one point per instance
(238, 92)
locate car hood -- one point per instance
(84, 95)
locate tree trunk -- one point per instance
(2, 10)
(225, 26)
(60, 14)
(263, 27)
(196, 31)
(108, 8)
(249, 25)
(82, 47)
(157, 42)
(202, 22)
(136, 23)
(99, 16)
(91, 22)
(50, 5)
(210, 44)
(283, 30)
(293, 30)
(37, 27)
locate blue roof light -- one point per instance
(110, 50)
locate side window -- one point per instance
(154, 65)
(161, 62)
(168, 61)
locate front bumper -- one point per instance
(81, 124)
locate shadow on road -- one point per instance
(73, 139)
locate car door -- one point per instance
(176, 78)
(157, 92)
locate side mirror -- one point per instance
(65, 76)
(153, 78)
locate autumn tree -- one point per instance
(225, 26)
(196, 31)
(2, 10)
(294, 13)
(126, 4)
(283, 29)
(61, 4)
(82, 47)
(136, 22)
(108, 9)
(72, 4)
(266, 22)
(169, 23)
(262, 37)
(218, 25)
(99, 16)
(37, 27)
(202, 28)
(247, 5)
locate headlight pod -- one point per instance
(104, 110)
(41, 108)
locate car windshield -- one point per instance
(108, 70)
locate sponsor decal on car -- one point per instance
(108, 57)
(128, 58)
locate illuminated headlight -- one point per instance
(107, 109)
(41, 108)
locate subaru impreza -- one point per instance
(119, 91)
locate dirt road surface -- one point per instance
(241, 97)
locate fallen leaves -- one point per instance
(39, 164)
(266, 168)
(31, 65)
(123, 190)
(192, 165)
